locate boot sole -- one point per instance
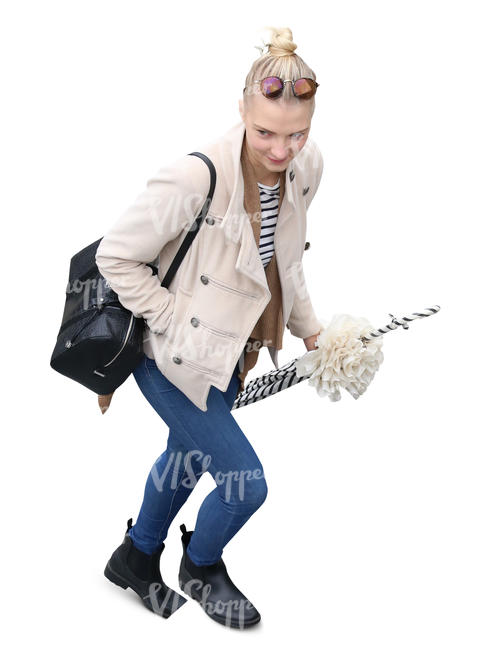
(184, 577)
(118, 580)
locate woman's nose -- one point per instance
(279, 152)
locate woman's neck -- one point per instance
(269, 182)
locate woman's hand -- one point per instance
(310, 341)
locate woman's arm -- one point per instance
(169, 204)
(309, 341)
(303, 321)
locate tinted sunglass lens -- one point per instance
(271, 87)
(305, 88)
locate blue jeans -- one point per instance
(198, 441)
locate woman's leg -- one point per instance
(171, 480)
(216, 444)
(172, 477)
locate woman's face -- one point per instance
(275, 131)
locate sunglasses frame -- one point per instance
(283, 82)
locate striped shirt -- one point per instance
(269, 196)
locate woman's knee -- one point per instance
(243, 490)
(260, 491)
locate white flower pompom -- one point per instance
(342, 360)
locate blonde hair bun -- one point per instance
(280, 42)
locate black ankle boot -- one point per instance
(211, 586)
(131, 567)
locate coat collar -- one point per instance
(236, 217)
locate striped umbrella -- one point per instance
(347, 355)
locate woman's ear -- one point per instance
(241, 109)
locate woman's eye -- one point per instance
(296, 136)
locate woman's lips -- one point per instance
(277, 161)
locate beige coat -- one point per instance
(197, 329)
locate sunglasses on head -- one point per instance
(273, 87)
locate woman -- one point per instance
(239, 285)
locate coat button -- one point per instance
(176, 359)
(291, 175)
(194, 321)
(307, 245)
(204, 279)
(305, 190)
(210, 221)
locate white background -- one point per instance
(370, 534)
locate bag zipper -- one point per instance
(222, 285)
(68, 343)
(129, 329)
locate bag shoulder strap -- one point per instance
(195, 227)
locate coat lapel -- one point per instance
(236, 224)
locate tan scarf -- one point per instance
(268, 330)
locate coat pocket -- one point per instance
(204, 346)
(215, 330)
(181, 305)
(223, 286)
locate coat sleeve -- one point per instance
(168, 205)
(303, 321)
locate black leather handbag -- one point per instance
(100, 342)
